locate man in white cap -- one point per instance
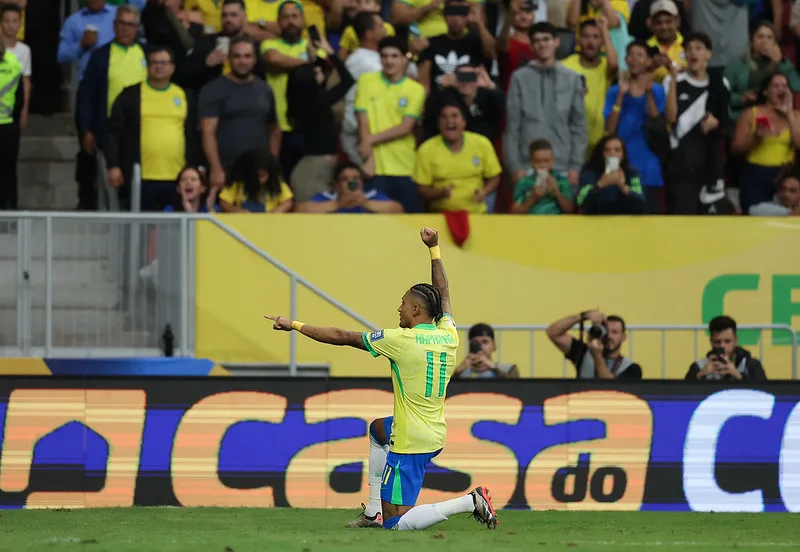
(664, 23)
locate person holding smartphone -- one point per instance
(726, 361)
(479, 363)
(767, 134)
(347, 195)
(609, 184)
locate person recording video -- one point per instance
(478, 363)
(726, 361)
(599, 355)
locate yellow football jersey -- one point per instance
(422, 359)
(386, 105)
(466, 170)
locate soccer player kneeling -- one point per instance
(422, 354)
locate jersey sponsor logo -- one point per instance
(376, 336)
(402, 102)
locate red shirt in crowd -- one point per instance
(519, 53)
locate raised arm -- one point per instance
(330, 336)
(430, 237)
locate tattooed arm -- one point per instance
(430, 237)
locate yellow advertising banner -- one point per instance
(513, 270)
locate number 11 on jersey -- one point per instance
(429, 374)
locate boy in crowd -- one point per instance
(543, 191)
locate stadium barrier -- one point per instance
(652, 372)
(564, 445)
(77, 285)
(512, 271)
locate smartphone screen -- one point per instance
(223, 44)
(313, 33)
(762, 121)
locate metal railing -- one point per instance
(107, 284)
(72, 285)
(629, 346)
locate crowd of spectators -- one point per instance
(526, 107)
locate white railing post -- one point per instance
(183, 289)
(48, 286)
(293, 334)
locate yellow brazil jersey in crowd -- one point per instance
(620, 6)
(126, 66)
(235, 195)
(433, 23)
(267, 10)
(596, 83)
(350, 41)
(278, 79)
(674, 52)
(439, 166)
(262, 10)
(163, 138)
(211, 10)
(422, 360)
(386, 104)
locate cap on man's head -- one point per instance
(294, 3)
(663, 6)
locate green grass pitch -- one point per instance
(292, 530)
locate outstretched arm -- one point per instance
(430, 237)
(331, 336)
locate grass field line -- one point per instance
(690, 543)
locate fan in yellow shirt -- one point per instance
(597, 71)
(425, 18)
(255, 185)
(349, 41)
(457, 170)
(210, 10)
(616, 12)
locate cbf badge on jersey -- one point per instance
(177, 102)
(376, 336)
(476, 160)
(403, 102)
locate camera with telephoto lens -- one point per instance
(597, 331)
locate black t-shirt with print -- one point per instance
(445, 54)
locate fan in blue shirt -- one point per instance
(347, 195)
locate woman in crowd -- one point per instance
(194, 195)
(764, 58)
(255, 185)
(609, 185)
(309, 110)
(767, 134)
(633, 106)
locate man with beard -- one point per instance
(597, 71)
(600, 356)
(282, 55)
(209, 58)
(237, 113)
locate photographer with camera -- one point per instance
(348, 196)
(599, 356)
(478, 363)
(726, 361)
